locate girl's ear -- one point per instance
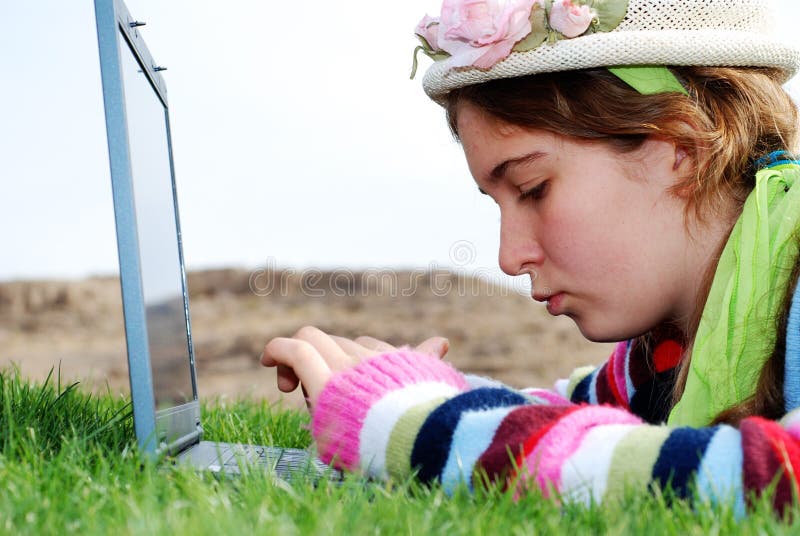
(681, 154)
(683, 167)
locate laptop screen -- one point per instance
(154, 200)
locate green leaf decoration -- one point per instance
(609, 14)
(415, 63)
(425, 45)
(429, 51)
(649, 79)
(538, 31)
(434, 55)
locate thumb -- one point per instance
(436, 346)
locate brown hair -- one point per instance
(732, 117)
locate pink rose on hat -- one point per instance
(428, 29)
(482, 32)
(570, 18)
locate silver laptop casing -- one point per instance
(174, 430)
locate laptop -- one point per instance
(161, 363)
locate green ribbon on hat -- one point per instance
(649, 79)
(737, 331)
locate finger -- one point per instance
(333, 354)
(374, 344)
(287, 379)
(436, 346)
(304, 361)
(352, 348)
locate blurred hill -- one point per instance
(493, 331)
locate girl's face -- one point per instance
(597, 231)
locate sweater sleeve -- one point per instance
(403, 412)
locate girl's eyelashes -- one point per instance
(535, 193)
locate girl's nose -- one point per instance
(519, 246)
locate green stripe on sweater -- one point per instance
(577, 377)
(634, 458)
(404, 433)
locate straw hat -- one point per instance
(651, 32)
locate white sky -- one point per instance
(298, 138)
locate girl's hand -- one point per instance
(311, 357)
(437, 346)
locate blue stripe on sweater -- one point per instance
(631, 390)
(432, 445)
(581, 391)
(680, 456)
(719, 478)
(791, 378)
(592, 391)
(473, 435)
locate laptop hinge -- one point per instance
(182, 442)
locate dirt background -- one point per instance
(78, 325)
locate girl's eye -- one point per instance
(535, 193)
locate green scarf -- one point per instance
(737, 329)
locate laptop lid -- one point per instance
(152, 275)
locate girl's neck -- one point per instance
(669, 331)
(710, 241)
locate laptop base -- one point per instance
(231, 458)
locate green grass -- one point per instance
(68, 463)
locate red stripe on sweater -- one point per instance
(511, 439)
(604, 391)
(533, 438)
(612, 382)
(769, 452)
(667, 355)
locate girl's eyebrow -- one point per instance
(502, 168)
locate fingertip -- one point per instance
(266, 354)
(445, 346)
(272, 348)
(287, 379)
(286, 385)
(437, 346)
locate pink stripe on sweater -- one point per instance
(561, 441)
(546, 396)
(344, 402)
(618, 359)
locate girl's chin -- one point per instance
(595, 333)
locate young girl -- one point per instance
(640, 154)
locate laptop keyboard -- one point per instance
(284, 462)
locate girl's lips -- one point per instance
(554, 304)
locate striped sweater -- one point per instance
(598, 433)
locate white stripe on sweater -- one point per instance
(584, 475)
(383, 416)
